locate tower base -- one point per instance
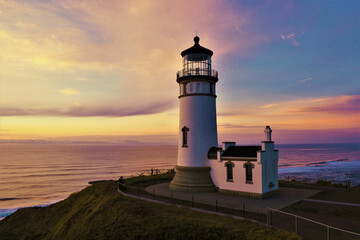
(192, 179)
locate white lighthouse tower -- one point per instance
(197, 125)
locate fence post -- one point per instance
(154, 193)
(328, 233)
(296, 225)
(244, 209)
(268, 217)
(137, 191)
(192, 201)
(216, 205)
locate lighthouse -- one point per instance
(197, 122)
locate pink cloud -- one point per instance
(305, 80)
(291, 38)
(340, 104)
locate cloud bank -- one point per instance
(90, 111)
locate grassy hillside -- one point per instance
(100, 212)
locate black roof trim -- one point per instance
(197, 78)
(241, 151)
(212, 154)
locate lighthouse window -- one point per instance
(211, 88)
(191, 87)
(198, 87)
(185, 88)
(206, 88)
(229, 171)
(184, 133)
(248, 172)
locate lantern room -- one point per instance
(196, 61)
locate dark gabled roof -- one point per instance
(212, 154)
(196, 49)
(241, 151)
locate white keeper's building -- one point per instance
(202, 165)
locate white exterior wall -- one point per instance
(219, 176)
(196, 87)
(269, 161)
(265, 171)
(198, 113)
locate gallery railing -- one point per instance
(197, 72)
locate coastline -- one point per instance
(45, 182)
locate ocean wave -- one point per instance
(327, 162)
(9, 199)
(338, 170)
(8, 211)
(285, 165)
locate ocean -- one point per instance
(42, 174)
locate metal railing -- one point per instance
(212, 205)
(307, 228)
(197, 72)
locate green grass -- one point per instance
(320, 183)
(352, 196)
(100, 212)
(341, 216)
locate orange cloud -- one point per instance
(339, 112)
(69, 91)
(136, 45)
(338, 105)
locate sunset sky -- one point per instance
(106, 70)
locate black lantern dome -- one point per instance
(197, 49)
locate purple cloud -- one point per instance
(86, 111)
(238, 126)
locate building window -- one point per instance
(184, 134)
(248, 172)
(229, 171)
(212, 88)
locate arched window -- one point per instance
(229, 171)
(197, 87)
(248, 172)
(184, 132)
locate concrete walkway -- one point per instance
(285, 197)
(331, 202)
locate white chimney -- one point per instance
(225, 145)
(268, 134)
